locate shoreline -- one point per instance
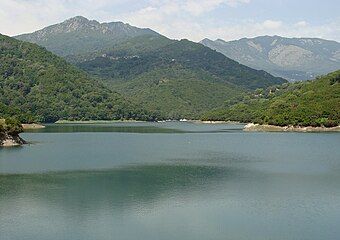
(251, 127)
(7, 140)
(32, 126)
(213, 122)
(137, 121)
(96, 121)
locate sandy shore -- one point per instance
(251, 127)
(32, 126)
(213, 122)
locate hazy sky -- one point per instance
(192, 19)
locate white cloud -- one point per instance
(196, 8)
(234, 3)
(330, 30)
(301, 24)
(176, 24)
(176, 18)
(192, 19)
(271, 24)
(19, 16)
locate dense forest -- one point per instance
(38, 86)
(311, 103)
(177, 79)
(132, 73)
(137, 56)
(171, 79)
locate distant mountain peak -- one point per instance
(77, 19)
(220, 40)
(205, 39)
(75, 24)
(78, 35)
(290, 58)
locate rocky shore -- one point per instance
(7, 140)
(9, 133)
(251, 127)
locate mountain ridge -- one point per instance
(158, 72)
(290, 58)
(79, 35)
(154, 70)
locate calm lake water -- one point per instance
(157, 181)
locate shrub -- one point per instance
(13, 126)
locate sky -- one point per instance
(190, 19)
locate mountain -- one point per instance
(79, 35)
(290, 58)
(309, 103)
(36, 85)
(176, 78)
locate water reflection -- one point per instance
(208, 182)
(120, 188)
(73, 128)
(139, 127)
(169, 202)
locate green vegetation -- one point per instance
(36, 85)
(175, 79)
(176, 92)
(10, 126)
(172, 79)
(138, 56)
(311, 103)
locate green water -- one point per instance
(170, 181)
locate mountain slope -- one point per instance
(310, 103)
(36, 85)
(80, 35)
(123, 61)
(179, 79)
(176, 79)
(290, 58)
(177, 92)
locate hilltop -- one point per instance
(80, 35)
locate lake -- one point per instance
(169, 181)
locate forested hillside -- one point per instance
(135, 56)
(178, 79)
(173, 79)
(36, 85)
(311, 103)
